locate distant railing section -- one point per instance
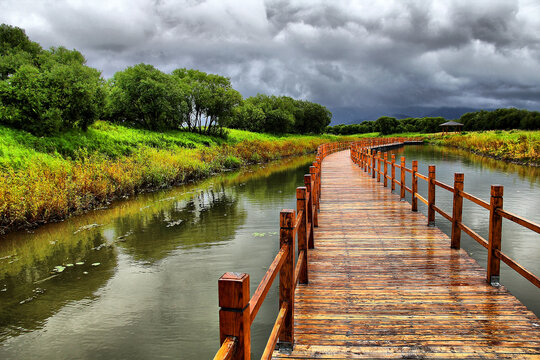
(238, 310)
(370, 159)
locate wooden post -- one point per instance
(402, 189)
(414, 186)
(302, 205)
(373, 166)
(457, 209)
(393, 172)
(366, 164)
(379, 166)
(310, 209)
(385, 173)
(234, 315)
(315, 188)
(286, 278)
(495, 230)
(370, 160)
(319, 189)
(431, 196)
(366, 160)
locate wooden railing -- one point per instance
(370, 159)
(238, 310)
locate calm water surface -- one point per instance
(146, 283)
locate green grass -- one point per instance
(514, 145)
(51, 178)
(19, 149)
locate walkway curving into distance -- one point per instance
(383, 285)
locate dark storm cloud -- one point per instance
(381, 55)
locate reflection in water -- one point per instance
(139, 279)
(521, 196)
(32, 291)
(192, 222)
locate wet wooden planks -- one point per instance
(383, 285)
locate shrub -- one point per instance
(46, 91)
(232, 162)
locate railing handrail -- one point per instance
(237, 315)
(365, 157)
(227, 349)
(264, 286)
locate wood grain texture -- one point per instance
(383, 285)
(234, 313)
(286, 275)
(227, 349)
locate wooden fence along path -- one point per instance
(379, 283)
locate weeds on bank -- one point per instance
(41, 186)
(515, 145)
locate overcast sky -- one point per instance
(369, 57)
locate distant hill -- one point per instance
(350, 115)
(400, 116)
(451, 113)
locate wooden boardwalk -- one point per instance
(384, 285)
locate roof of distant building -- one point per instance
(451, 123)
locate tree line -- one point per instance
(500, 119)
(389, 125)
(49, 91)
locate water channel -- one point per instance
(138, 279)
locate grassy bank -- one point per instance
(518, 146)
(45, 179)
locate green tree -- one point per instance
(431, 124)
(13, 40)
(311, 117)
(531, 121)
(45, 92)
(16, 50)
(221, 102)
(278, 113)
(247, 116)
(145, 97)
(386, 125)
(510, 118)
(74, 88)
(208, 97)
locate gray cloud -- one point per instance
(377, 57)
